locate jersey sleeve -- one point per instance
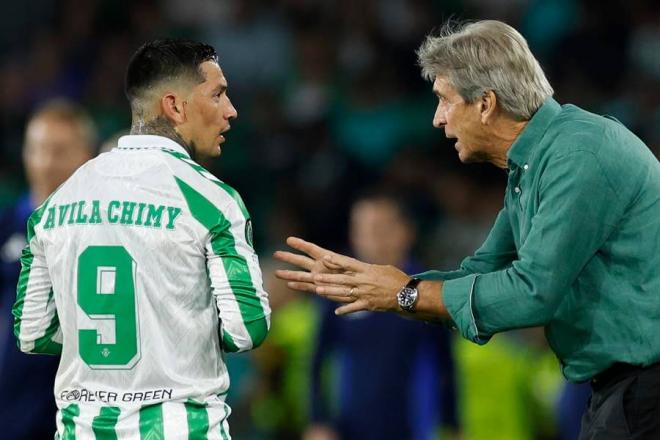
(232, 265)
(237, 285)
(36, 324)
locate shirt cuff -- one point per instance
(458, 297)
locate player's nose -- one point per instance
(231, 112)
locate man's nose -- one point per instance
(232, 113)
(439, 120)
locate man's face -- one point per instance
(54, 149)
(461, 121)
(378, 232)
(208, 111)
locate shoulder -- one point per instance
(199, 185)
(576, 129)
(600, 141)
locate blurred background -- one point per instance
(334, 143)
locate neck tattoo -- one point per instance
(160, 126)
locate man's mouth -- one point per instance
(221, 134)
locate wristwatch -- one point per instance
(407, 297)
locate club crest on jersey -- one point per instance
(248, 233)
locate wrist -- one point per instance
(408, 296)
(430, 303)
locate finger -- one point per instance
(310, 249)
(336, 290)
(297, 260)
(356, 306)
(294, 275)
(330, 265)
(338, 279)
(338, 298)
(303, 287)
(346, 263)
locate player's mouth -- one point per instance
(221, 135)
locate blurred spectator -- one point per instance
(394, 377)
(59, 138)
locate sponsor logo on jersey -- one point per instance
(85, 395)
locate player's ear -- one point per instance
(173, 108)
(487, 106)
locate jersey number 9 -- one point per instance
(106, 293)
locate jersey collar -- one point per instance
(149, 142)
(522, 147)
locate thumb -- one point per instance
(353, 307)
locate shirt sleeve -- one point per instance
(497, 252)
(237, 285)
(578, 209)
(36, 323)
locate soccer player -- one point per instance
(140, 268)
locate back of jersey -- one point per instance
(142, 267)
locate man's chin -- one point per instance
(210, 153)
(465, 157)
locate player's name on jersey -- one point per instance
(120, 212)
(85, 395)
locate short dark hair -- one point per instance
(165, 59)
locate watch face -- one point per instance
(407, 297)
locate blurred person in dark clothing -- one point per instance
(395, 376)
(59, 138)
(574, 249)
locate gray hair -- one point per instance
(487, 55)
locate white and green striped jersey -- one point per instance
(140, 271)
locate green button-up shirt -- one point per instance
(576, 247)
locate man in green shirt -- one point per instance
(575, 248)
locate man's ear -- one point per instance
(173, 107)
(488, 106)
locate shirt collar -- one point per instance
(149, 142)
(533, 132)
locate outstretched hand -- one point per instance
(359, 285)
(311, 264)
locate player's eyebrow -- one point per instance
(220, 88)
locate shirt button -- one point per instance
(525, 167)
(516, 190)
